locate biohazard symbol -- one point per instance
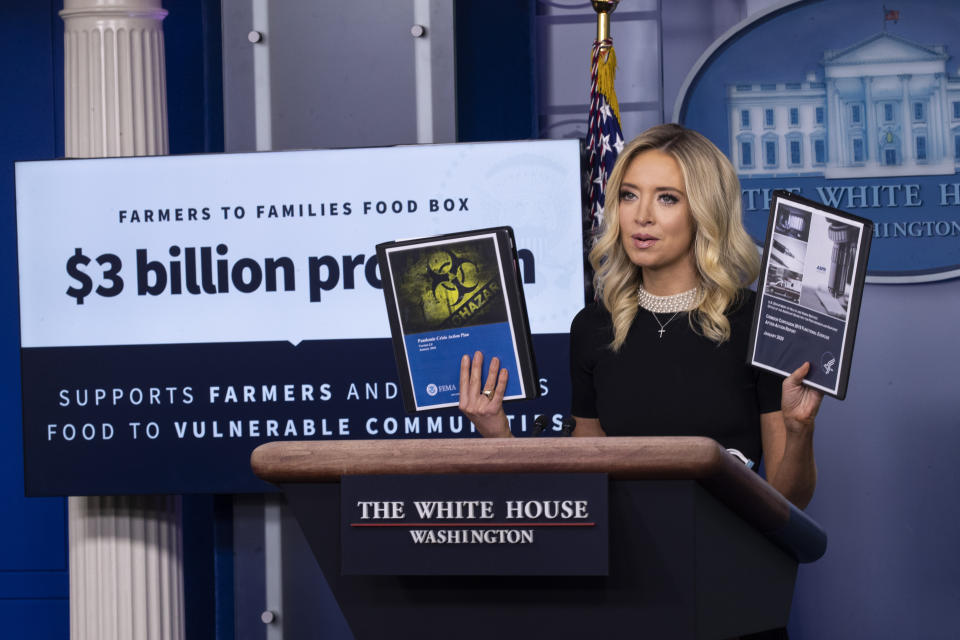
(451, 277)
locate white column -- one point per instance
(871, 143)
(933, 127)
(114, 82)
(126, 559)
(939, 129)
(907, 115)
(836, 127)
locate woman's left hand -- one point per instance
(800, 402)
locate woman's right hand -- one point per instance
(483, 403)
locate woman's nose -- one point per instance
(644, 212)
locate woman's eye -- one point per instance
(627, 195)
(668, 198)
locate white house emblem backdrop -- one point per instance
(852, 105)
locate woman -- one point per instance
(672, 247)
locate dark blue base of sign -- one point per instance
(175, 418)
(681, 566)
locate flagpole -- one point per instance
(604, 136)
(604, 8)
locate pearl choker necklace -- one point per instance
(668, 304)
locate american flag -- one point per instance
(604, 137)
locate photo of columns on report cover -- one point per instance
(453, 295)
(808, 297)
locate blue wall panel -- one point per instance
(33, 543)
(33, 535)
(35, 619)
(195, 118)
(496, 70)
(194, 76)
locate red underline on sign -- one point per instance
(472, 524)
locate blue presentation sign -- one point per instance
(177, 312)
(482, 524)
(855, 107)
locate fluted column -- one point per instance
(126, 578)
(114, 79)
(126, 560)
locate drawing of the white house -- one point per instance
(884, 107)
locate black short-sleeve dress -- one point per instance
(680, 384)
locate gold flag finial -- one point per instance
(604, 8)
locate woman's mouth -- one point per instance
(643, 241)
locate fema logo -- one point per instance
(432, 389)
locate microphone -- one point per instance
(568, 424)
(539, 424)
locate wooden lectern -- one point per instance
(700, 546)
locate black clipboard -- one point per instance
(809, 292)
(451, 295)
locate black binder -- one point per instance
(451, 295)
(809, 292)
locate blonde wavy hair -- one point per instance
(726, 258)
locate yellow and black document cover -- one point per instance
(452, 295)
